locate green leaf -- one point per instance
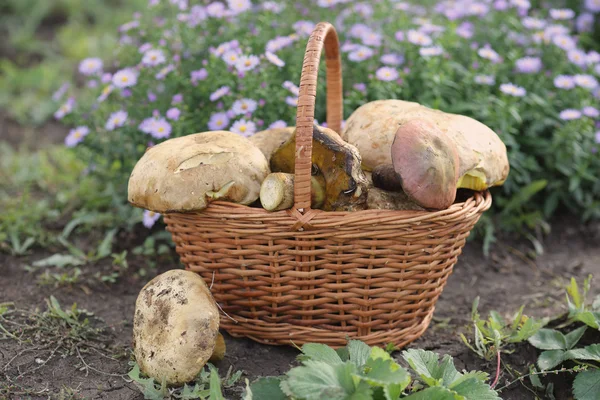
(189, 393)
(387, 374)
(358, 352)
(591, 352)
(146, 385)
(320, 380)
(523, 195)
(425, 363)
(550, 359)
(215, 385)
(573, 337)
(573, 291)
(266, 388)
(320, 352)
(589, 318)
(549, 339)
(478, 375)
(435, 393)
(105, 248)
(58, 260)
(475, 389)
(586, 385)
(534, 378)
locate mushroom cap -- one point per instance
(175, 327)
(372, 128)
(270, 140)
(179, 174)
(427, 162)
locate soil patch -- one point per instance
(504, 281)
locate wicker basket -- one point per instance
(305, 275)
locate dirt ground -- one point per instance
(504, 281)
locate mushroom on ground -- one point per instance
(270, 140)
(175, 327)
(277, 191)
(339, 164)
(185, 173)
(483, 160)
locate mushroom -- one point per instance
(185, 173)
(483, 161)
(337, 162)
(424, 165)
(270, 140)
(277, 191)
(175, 327)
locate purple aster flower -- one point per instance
(64, 109)
(418, 38)
(430, 51)
(533, 23)
(243, 106)
(273, 7)
(295, 90)
(593, 57)
(386, 74)
(521, 4)
(564, 82)
(198, 75)
(218, 121)
(217, 94)
(145, 47)
(278, 124)
(153, 58)
(327, 3)
(160, 75)
(597, 137)
(569, 114)
(590, 111)
(392, 59)
(358, 30)
(513, 90)
(479, 9)
(107, 91)
(280, 42)
(273, 59)
(160, 129)
(361, 87)
(564, 42)
(116, 120)
(577, 57)
(597, 69)
(231, 57)
(364, 9)
(562, 13)
(150, 218)
(178, 98)
(239, 6)
(92, 84)
(371, 39)
(465, 30)
(291, 101)
(243, 127)
(585, 81)
(106, 78)
(585, 22)
(76, 135)
(125, 78)
(151, 97)
(173, 113)
(485, 79)
(489, 54)
(528, 65)
(247, 63)
(360, 54)
(592, 6)
(128, 26)
(90, 66)
(399, 36)
(216, 10)
(500, 5)
(60, 92)
(346, 47)
(304, 28)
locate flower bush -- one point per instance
(191, 66)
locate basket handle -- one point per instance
(325, 35)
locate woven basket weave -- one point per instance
(305, 275)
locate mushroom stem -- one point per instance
(219, 352)
(385, 177)
(277, 192)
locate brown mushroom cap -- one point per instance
(427, 162)
(175, 327)
(185, 173)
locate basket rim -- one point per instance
(481, 201)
